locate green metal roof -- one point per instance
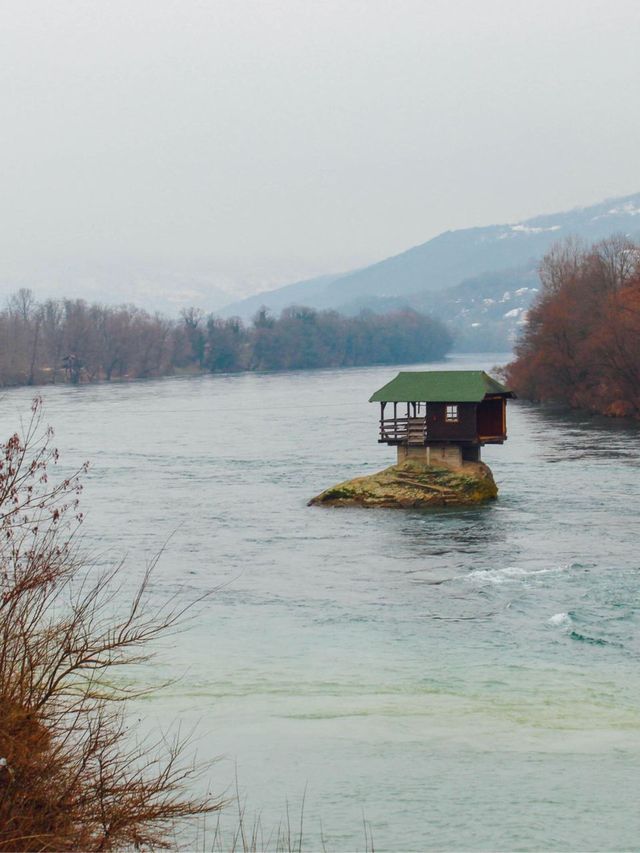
(439, 386)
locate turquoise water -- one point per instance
(465, 679)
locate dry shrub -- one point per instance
(70, 776)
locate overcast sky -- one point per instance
(252, 142)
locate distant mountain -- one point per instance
(153, 287)
(308, 292)
(465, 277)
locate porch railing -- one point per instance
(394, 429)
(400, 430)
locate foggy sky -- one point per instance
(245, 143)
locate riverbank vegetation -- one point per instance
(72, 777)
(582, 342)
(73, 341)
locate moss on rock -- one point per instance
(414, 484)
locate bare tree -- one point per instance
(70, 776)
(617, 260)
(561, 264)
(53, 334)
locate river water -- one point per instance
(462, 679)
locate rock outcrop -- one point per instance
(414, 484)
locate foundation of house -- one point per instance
(451, 455)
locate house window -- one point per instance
(451, 415)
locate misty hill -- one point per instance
(309, 292)
(150, 285)
(454, 275)
(484, 313)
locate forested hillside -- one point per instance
(73, 341)
(452, 257)
(481, 281)
(582, 342)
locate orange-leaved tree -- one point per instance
(582, 342)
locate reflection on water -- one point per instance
(566, 434)
(468, 678)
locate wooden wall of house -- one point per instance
(491, 417)
(439, 429)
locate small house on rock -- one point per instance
(442, 415)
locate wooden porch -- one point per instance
(412, 431)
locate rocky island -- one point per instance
(415, 484)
